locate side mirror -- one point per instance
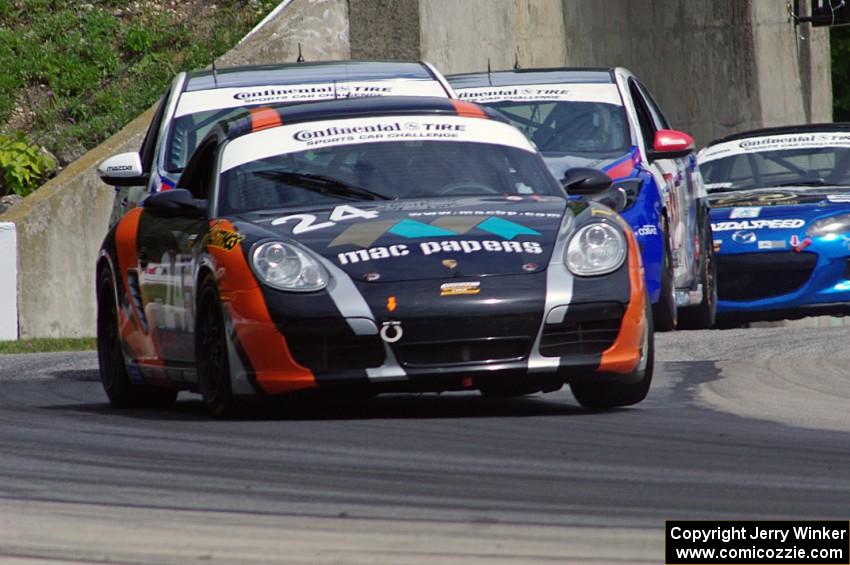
(124, 169)
(671, 144)
(177, 201)
(584, 181)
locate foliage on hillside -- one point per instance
(73, 73)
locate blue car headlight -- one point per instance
(631, 190)
(830, 225)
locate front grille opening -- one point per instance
(587, 328)
(336, 353)
(582, 337)
(458, 352)
(752, 276)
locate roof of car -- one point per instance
(780, 130)
(533, 76)
(303, 73)
(272, 115)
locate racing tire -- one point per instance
(665, 312)
(703, 315)
(602, 391)
(212, 362)
(110, 355)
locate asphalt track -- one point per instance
(738, 424)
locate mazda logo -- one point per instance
(743, 236)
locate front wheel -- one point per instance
(211, 353)
(702, 316)
(601, 391)
(664, 312)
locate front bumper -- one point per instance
(784, 284)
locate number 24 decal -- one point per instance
(309, 222)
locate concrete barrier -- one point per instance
(8, 282)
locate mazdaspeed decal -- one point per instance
(606, 93)
(304, 136)
(427, 248)
(779, 224)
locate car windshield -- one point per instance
(805, 167)
(569, 127)
(384, 171)
(189, 130)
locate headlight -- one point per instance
(595, 249)
(630, 189)
(826, 226)
(286, 267)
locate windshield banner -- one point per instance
(220, 98)
(316, 135)
(814, 140)
(606, 93)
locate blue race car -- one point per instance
(780, 202)
(606, 119)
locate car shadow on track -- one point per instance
(395, 407)
(390, 406)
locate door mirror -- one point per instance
(177, 201)
(124, 169)
(671, 144)
(584, 181)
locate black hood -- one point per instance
(421, 239)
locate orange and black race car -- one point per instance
(392, 245)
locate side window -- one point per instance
(657, 116)
(198, 176)
(149, 144)
(647, 127)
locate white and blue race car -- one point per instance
(780, 201)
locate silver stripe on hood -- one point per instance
(353, 307)
(559, 292)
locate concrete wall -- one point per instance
(715, 67)
(61, 225)
(384, 29)
(461, 36)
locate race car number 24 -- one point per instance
(309, 222)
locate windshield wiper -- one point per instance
(323, 185)
(813, 182)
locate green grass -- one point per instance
(79, 71)
(45, 345)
